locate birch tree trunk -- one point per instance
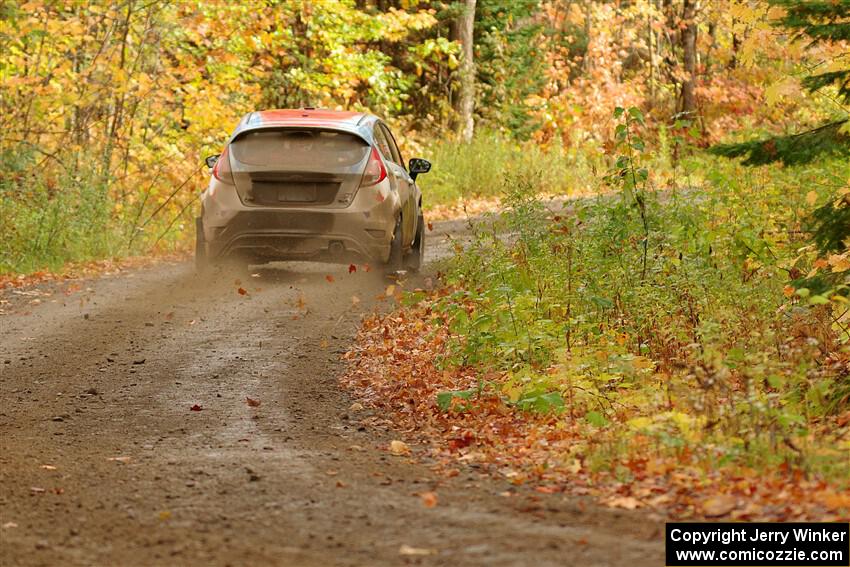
(689, 56)
(466, 102)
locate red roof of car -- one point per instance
(352, 122)
(299, 114)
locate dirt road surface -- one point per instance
(104, 462)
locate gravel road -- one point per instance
(104, 461)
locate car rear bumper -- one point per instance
(330, 236)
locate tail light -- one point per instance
(221, 170)
(375, 171)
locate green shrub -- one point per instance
(665, 314)
(51, 217)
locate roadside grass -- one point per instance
(48, 228)
(476, 171)
(702, 357)
(54, 217)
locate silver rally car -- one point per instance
(311, 184)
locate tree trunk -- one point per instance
(466, 102)
(689, 55)
(706, 63)
(650, 45)
(587, 62)
(736, 46)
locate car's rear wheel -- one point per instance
(416, 258)
(396, 260)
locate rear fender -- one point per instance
(219, 204)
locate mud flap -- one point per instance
(416, 258)
(201, 256)
(395, 262)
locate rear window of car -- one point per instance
(299, 147)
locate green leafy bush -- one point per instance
(49, 220)
(667, 315)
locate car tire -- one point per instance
(396, 260)
(202, 261)
(416, 258)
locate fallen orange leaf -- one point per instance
(625, 502)
(835, 501)
(399, 448)
(429, 499)
(720, 505)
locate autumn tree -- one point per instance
(816, 22)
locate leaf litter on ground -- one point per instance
(393, 369)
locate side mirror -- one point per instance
(211, 160)
(417, 166)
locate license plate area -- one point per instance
(297, 193)
(282, 193)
